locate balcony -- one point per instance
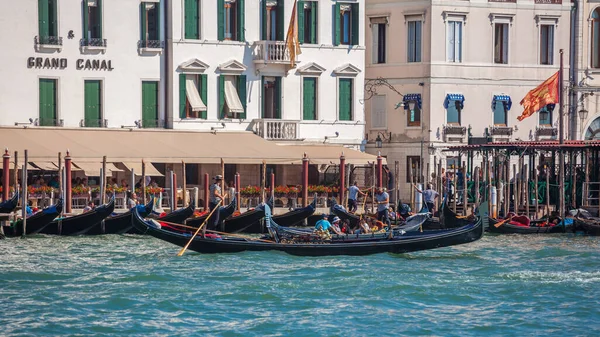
(150, 46)
(545, 132)
(94, 123)
(275, 129)
(454, 133)
(152, 124)
(93, 44)
(48, 122)
(501, 132)
(271, 52)
(48, 42)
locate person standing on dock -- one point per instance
(383, 203)
(429, 196)
(353, 192)
(215, 197)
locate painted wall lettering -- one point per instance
(46, 62)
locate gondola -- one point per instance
(9, 205)
(81, 223)
(224, 212)
(120, 223)
(297, 216)
(537, 228)
(247, 222)
(36, 222)
(585, 221)
(179, 215)
(343, 214)
(407, 242)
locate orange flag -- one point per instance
(291, 40)
(546, 93)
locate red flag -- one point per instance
(544, 94)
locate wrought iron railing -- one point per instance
(93, 42)
(546, 131)
(49, 122)
(49, 40)
(276, 129)
(94, 123)
(153, 123)
(153, 44)
(500, 130)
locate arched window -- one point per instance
(595, 50)
(593, 131)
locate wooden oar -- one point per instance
(501, 222)
(199, 228)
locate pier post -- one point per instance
(272, 183)
(547, 191)
(342, 186)
(68, 185)
(585, 189)
(237, 191)
(183, 184)
(476, 174)
(16, 171)
(527, 197)
(536, 186)
(103, 182)
(455, 190)
(173, 191)
(304, 180)
(206, 195)
(60, 177)
(379, 170)
(464, 188)
(5, 175)
(24, 194)
(440, 186)
(573, 165)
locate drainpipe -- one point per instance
(573, 80)
(168, 65)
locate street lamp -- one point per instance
(378, 142)
(431, 149)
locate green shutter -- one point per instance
(355, 24)
(278, 95)
(220, 113)
(182, 96)
(345, 99)
(300, 11)
(92, 103)
(85, 15)
(309, 99)
(221, 19)
(53, 12)
(204, 93)
(47, 102)
(99, 18)
(157, 21)
(280, 21)
(264, 20)
(43, 24)
(241, 13)
(262, 97)
(143, 21)
(191, 19)
(242, 93)
(149, 104)
(314, 22)
(336, 23)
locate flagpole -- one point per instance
(561, 137)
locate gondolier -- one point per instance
(215, 197)
(383, 202)
(353, 192)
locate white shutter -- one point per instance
(375, 42)
(551, 45)
(458, 41)
(378, 113)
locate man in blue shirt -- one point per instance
(353, 192)
(323, 224)
(429, 196)
(383, 203)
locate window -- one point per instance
(232, 96)
(271, 97)
(454, 41)
(501, 43)
(454, 105)
(273, 20)
(414, 41)
(547, 44)
(309, 98)
(379, 39)
(595, 57)
(150, 24)
(307, 21)
(150, 104)
(93, 103)
(47, 22)
(92, 23)
(193, 90)
(345, 99)
(500, 112)
(545, 115)
(346, 24)
(231, 20)
(378, 113)
(413, 114)
(413, 168)
(192, 19)
(47, 102)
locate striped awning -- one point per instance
(136, 167)
(412, 98)
(502, 98)
(454, 97)
(45, 166)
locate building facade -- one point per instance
(454, 72)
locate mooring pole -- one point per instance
(103, 182)
(342, 185)
(5, 175)
(206, 194)
(68, 185)
(379, 170)
(24, 194)
(143, 181)
(237, 192)
(183, 184)
(304, 180)
(561, 133)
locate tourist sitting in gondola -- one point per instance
(131, 200)
(345, 227)
(90, 206)
(335, 227)
(363, 227)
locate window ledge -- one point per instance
(40, 47)
(330, 122)
(415, 127)
(150, 50)
(85, 49)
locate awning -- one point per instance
(412, 98)
(502, 99)
(45, 166)
(20, 166)
(191, 91)
(454, 97)
(93, 169)
(151, 171)
(231, 97)
(329, 155)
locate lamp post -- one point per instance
(583, 114)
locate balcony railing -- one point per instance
(93, 42)
(276, 129)
(49, 122)
(546, 132)
(153, 124)
(500, 131)
(454, 133)
(150, 44)
(54, 41)
(271, 52)
(94, 123)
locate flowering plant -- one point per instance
(150, 190)
(112, 189)
(320, 189)
(250, 191)
(80, 190)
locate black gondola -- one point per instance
(340, 211)
(179, 215)
(247, 222)
(508, 228)
(407, 242)
(36, 222)
(224, 212)
(81, 223)
(120, 223)
(9, 205)
(297, 216)
(585, 221)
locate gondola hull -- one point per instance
(588, 226)
(81, 223)
(224, 213)
(36, 222)
(248, 222)
(180, 215)
(507, 228)
(120, 223)
(410, 242)
(9, 205)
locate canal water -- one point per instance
(137, 286)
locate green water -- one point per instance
(136, 285)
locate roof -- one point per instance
(165, 146)
(542, 145)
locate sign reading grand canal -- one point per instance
(61, 63)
